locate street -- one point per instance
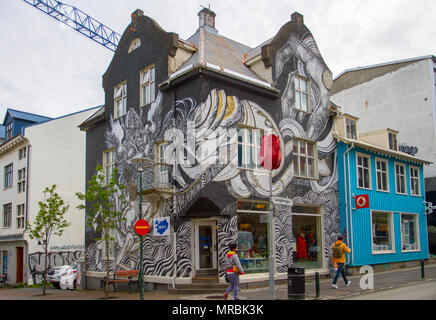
(418, 291)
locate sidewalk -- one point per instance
(382, 281)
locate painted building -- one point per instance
(34, 156)
(382, 197)
(196, 110)
(401, 95)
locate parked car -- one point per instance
(55, 274)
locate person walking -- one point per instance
(338, 259)
(233, 270)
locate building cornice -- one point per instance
(12, 144)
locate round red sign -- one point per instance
(141, 227)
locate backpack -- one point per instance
(337, 251)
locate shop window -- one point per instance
(400, 178)
(409, 232)
(4, 262)
(108, 164)
(304, 159)
(148, 87)
(414, 181)
(302, 94)
(120, 100)
(351, 131)
(249, 144)
(363, 171)
(381, 169)
(382, 235)
(307, 237)
(253, 236)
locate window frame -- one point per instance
(8, 131)
(20, 217)
(7, 220)
(255, 132)
(346, 125)
(8, 183)
(418, 178)
(135, 44)
(21, 180)
(416, 222)
(149, 83)
(105, 164)
(22, 153)
(404, 176)
(386, 174)
(298, 155)
(391, 236)
(123, 98)
(299, 93)
(358, 154)
(393, 143)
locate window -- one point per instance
(108, 164)
(136, 43)
(120, 100)
(7, 215)
(21, 180)
(382, 234)
(414, 181)
(363, 171)
(351, 131)
(147, 84)
(302, 94)
(22, 153)
(9, 131)
(392, 141)
(381, 169)
(20, 216)
(8, 175)
(400, 178)
(304, 159)
(409, 232)
(249, 143)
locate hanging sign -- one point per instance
(141, 227)
(270, 155)
(362, 201)
(161, 226)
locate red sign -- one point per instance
(141, 227)
(270, 155)
(362, 201)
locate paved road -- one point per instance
(418, 291)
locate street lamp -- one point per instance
(140, 161)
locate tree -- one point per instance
(102, 197)
(49, 221)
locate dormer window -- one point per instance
(351, 131)
(120, 100)
(302, 94)
(9, 131)
(136, 43)
(393, 141)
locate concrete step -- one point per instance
(195, 290)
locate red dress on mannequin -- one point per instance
(301, 247)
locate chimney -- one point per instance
(137, 13)
(297, 18)
(207, 18)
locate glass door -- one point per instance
(205, 244)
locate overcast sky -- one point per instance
(52, 70)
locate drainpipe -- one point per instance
(350, 230)
(27, 187)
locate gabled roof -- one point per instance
(31, 117)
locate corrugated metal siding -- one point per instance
(383, 201)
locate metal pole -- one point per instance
(317, 284)
(422, 270)
(141, 243)
(270, 241)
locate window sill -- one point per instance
(364, 188)
(147, 105)
(384, 252)
(385, 191)
(401, 194)
(415, 195)
(406, 251)
(307, 178)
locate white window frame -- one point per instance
(150, 83)
(347, 125)
(377, 171)
(394, 141)
(22, 153)
(20, 219)
(358, 154)
(8, 131)
(418, 178)
(7, 219)
(391, 236)
(8, 177)
(135, 44)
(404, 178)
(120, 97)
(21, 183)
(297, 158)
(299, 93)
(111, 164)
(257, 133)
(416, 222)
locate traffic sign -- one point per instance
(141, 227)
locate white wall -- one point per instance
(402, 100)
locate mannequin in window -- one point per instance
(301, 246)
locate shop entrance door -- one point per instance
(20, 264)
(205, 245)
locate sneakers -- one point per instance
(348, 283)
(225, 295)
(335, 286)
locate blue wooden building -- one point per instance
(381, 196)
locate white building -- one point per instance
(35, 156)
